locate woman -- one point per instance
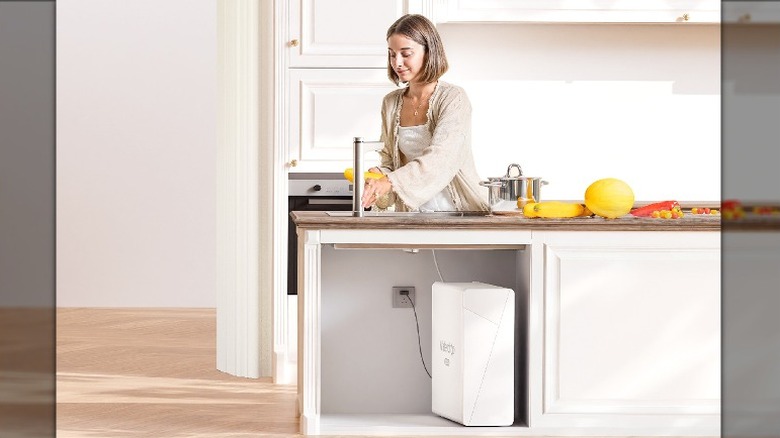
(426, 128)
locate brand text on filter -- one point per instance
(447, 347)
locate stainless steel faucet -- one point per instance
(360, 178)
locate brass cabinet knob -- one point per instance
(293, 163)
(745, 18)
(686, 17)
(294, 43)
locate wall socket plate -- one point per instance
(401, 301)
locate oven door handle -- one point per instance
(315, 201)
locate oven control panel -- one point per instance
(321, 185)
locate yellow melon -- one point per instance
(609, 198)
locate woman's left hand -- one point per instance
(374, 189)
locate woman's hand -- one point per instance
(375, 188)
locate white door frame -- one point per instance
(248, 200)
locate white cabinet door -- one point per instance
(341, 33)
(631, 331)
(327, 109)
(577, 11)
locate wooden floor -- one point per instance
(152, 373)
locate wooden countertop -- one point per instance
(690, 222)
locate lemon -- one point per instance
(349, 174)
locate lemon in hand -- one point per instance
(349, 174)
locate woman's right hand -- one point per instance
(374, 189)
(375, 170)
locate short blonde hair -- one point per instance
(420, 30)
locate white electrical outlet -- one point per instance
(401, 300)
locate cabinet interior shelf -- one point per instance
(408, 424)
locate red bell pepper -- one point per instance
(647, 210)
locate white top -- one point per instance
(412, 141)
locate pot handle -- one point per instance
(490, 183)
(509, 170)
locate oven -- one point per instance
(312, 192)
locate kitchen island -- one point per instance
(617, 321)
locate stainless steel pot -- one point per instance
(504, 192)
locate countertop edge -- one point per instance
(320, 220)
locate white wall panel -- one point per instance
(136, 150)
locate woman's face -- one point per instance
(406, 57)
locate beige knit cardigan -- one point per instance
(447, 163)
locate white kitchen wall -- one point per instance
(136, 152)
(575, 103)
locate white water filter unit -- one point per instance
(473, 353)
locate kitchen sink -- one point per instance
(432, 214)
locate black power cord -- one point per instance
(417, 322)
